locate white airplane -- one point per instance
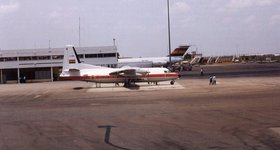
(73, 69)
(177, 55)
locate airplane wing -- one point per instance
(129, 72)
(124, 72)
(142, 71)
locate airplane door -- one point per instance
(147, 76)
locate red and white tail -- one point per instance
(180, 51)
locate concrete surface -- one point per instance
(142, 86)
(238, 113)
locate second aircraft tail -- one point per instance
(180, 51)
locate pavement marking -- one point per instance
(95, 104)
(37, 96)
(276, 130)
(140, 87)
(45, 92)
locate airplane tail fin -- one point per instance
(71, 59)
(180, 51)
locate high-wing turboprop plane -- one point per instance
(73, 69)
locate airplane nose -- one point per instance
(179, 75)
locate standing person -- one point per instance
(210, 80)
(201, 72)
(214, 80)
(24, 79)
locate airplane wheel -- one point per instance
(172, 82)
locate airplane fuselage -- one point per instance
(148, 61)
(103, 75)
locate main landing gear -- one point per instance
(127, 83)
(172, 82)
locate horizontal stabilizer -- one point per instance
(74, 69)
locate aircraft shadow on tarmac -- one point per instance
(78, 88)
(107, 136)
(130, 87)
(133, 87)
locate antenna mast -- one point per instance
(79, 32)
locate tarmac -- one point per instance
(142, 86)
(240, 112)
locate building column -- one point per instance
(1, 75)
(18, 74)
(52, 74)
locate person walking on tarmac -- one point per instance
(201, 72)
(214, 80)
(210, 80)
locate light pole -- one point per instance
(169, 40)
(79, 31)
(114, 40)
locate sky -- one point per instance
(212, 27)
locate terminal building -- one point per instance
(37, 65)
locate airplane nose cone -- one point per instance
(178, 74)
